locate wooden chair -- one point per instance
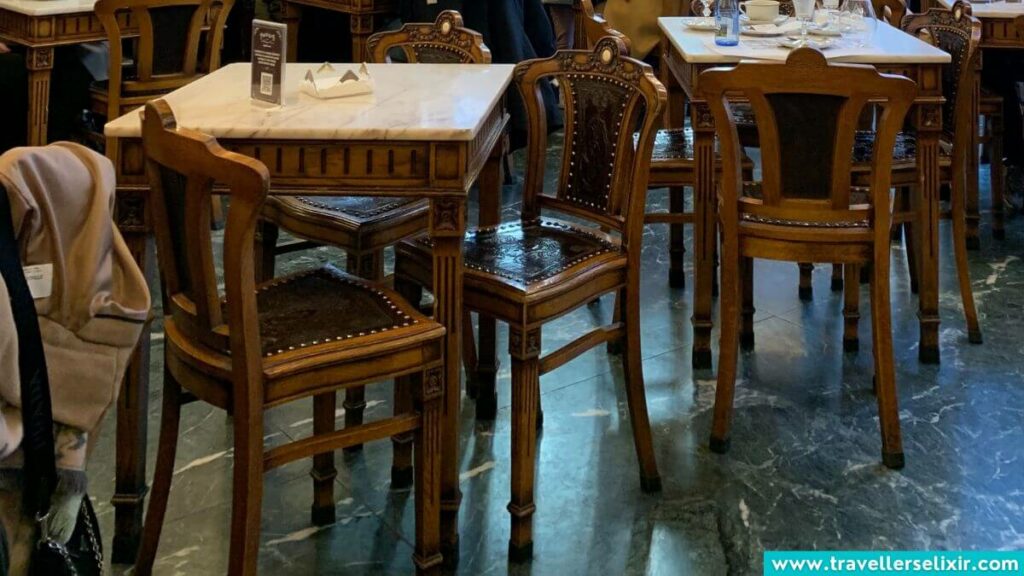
(890, 11)
(179, 41)
(804, 209)
(530, 272)
(363, 226)
(958, 33)
(263, 345)
(672, 161)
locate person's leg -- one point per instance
(13, 99)
(563, 21)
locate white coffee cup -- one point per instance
(760, 10)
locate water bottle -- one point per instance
(727, 18)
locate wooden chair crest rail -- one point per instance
(539, 268)
(261, 345)
(804, 209)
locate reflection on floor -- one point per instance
(804, 471)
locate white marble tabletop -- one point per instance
(889, 46)
(47, 7)
(992, 9)
(410, 102)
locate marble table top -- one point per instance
(889, 46)
(410, 102)
(992, 9)
(47, 7)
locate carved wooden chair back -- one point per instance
(446, 41)
(182, 165)
(957, 32)
(807, 115)
(590, 27)
(603, 177)
(891, 12)
(167, 50)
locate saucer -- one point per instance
(777, 21)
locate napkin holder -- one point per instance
(326, 83)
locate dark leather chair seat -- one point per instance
(525, 255)
(349, 212)
(904, 151)
(315, 307)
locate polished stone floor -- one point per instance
(804, 471)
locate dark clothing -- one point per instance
(514, 31)
(1002, 70)
(69, 96)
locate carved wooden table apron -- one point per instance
(40, 26)
(309, 152)
(362, 16)
(927, 117)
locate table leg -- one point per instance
(361, 26)
(133, 404)
(39, 62)
(447, 226)
(926, 229)
(292, 17)
(487, 362)
(705, 234)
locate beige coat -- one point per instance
(638, 20)
(62, 200)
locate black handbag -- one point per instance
(83, 554)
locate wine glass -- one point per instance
(832, 10)
(858, 21)
(804, 10)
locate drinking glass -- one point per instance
(804, 10)
(857, 20)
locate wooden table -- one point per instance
(363, 20)
(687, 53)
(429, 131)
(40, 26)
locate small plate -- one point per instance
(701, 25)
(749, 30)
(794, 42)
(780, 20)
(830, 32)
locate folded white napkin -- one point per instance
(327, 83)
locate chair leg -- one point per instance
(216, 212)
(837, 278)
(323, 472)
(747, 310)
(268, 250)
(247, 487)
(636, 395)
(963, 271)
(998, 178)
(429, 391)
(912, 260)
(170, 417)
(401, 445)
(885, 371)
(524, 347)
(727, 348)
(486, 368)
(851, 309)
(806, 287)
(677, 239)
(615, 346)
(470, 363)
(368, 265)
(354, 405)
